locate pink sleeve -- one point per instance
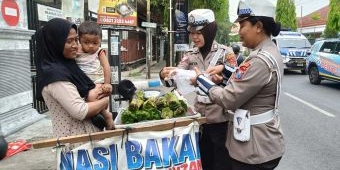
(66, 94)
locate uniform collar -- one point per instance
(214, 46)
(266, 42)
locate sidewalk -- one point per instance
(45, 158)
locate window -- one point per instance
(328, 47)
(337, 48)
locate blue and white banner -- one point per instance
(175, 149)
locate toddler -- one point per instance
(94, 63)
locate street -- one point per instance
(311, 121)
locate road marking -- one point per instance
(310, 105)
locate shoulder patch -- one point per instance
(230, 58)
(238, 75)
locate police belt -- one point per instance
(203, 99)
(259, 118)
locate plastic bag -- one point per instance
(183, 81)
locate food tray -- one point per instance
(118, 124)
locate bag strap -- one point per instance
(273, 68)
(216, 57)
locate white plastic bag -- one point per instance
(183, 81)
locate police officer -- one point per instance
(254, 139)
(239, 56)
(202, 28)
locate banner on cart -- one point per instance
(169, 150)
(122, 12)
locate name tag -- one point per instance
(193, 64)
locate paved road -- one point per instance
(310, 117)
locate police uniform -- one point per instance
(214, 154)
(193, 58)
(255, 87)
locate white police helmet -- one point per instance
(248, 8)
(199, 18)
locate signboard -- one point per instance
(117, 12)
(46, 13)
(13, 14)
(181, 47)
(93, 5)
(10, 12)
(149, 24)
(181, 21)
(168, 150)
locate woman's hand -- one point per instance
(107, 88)
(165, 73)
(215, 69)
(216, 78)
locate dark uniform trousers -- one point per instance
(214, 154)
(270, 165)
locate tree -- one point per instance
(333, 20)
(161, 5)
(220, 8)
(285, 14)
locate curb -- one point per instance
(138, 70)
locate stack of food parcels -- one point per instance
(149, 105)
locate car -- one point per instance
(323, 62)
(293, 47)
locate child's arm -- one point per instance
(104, 62)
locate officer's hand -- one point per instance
(216, 78)
(215, 69)
(165, 73)
(193, 79)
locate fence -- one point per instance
(40, 106)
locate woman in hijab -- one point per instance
(202, 29)
(255, 139)
(61, 83)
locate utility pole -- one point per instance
(301, 20)
(148, 41)
(170, 31)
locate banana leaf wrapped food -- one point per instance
(165, 107)
(135, 104)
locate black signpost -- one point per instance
(114, 59)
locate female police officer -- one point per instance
(254, 138)
(202, 28)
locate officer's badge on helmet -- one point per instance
(199, 18)
(248, 8)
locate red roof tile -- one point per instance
(308, 21)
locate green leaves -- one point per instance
(333, 21)
(285, 14)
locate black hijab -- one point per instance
(209, 33)
(51, 64)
